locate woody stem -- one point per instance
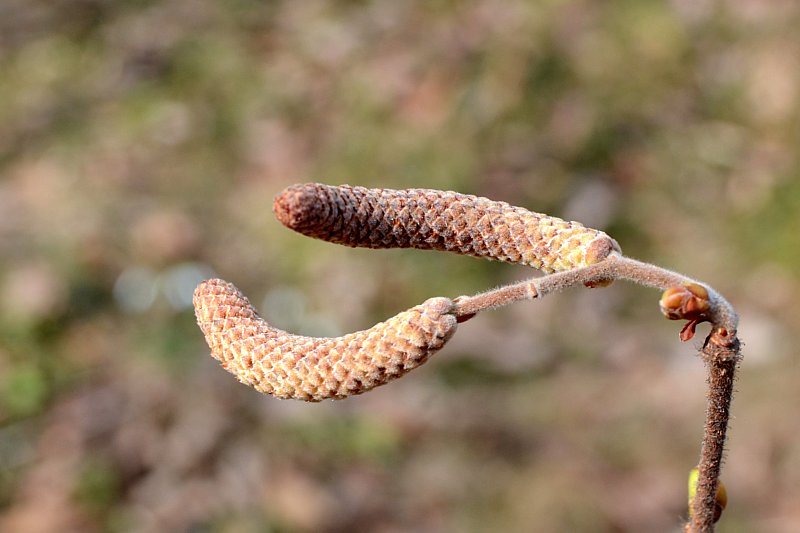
(720, 352)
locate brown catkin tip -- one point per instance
(439, 220)
(313, 369)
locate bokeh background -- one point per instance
(142, 142)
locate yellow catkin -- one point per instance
(313, 369)
(439, 220)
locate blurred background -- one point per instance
(142, 142)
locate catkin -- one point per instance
(438, 220)
(313, 369)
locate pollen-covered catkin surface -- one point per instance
(313, 369)
(440, 220)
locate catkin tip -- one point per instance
(296, 207)
(216, 302)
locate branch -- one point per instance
(614, 267)
(720, 350)
(312, 369)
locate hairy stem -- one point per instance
(720, 352)
(613, 267)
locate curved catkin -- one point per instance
(439, 220)
(313, 369)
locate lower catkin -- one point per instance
(313, 369)
(440, 220)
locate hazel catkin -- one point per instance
(313, 369)
(440, 220)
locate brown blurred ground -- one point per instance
(141, 143)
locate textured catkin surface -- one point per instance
(439, 220)
(313, 369)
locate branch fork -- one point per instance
(313, 369)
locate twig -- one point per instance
(571, 254)
(720, 352)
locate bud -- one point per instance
(721, 499)
(687, 302)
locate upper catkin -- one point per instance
(313, 369)
(439, 220)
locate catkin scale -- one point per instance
(439, 220)
(313, 369)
